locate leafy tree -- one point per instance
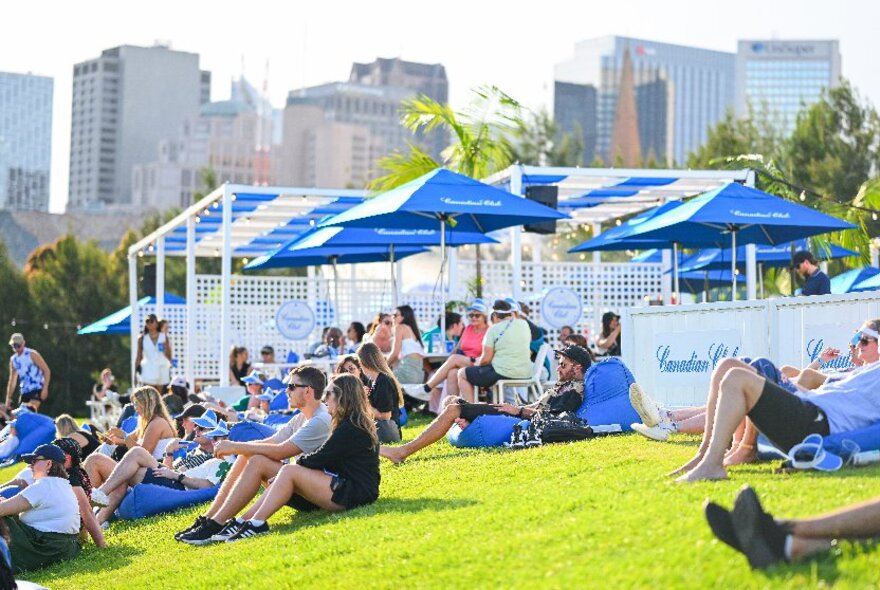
(757, 133)
(538, 142)
(15, 305)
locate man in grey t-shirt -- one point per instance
(259, 461)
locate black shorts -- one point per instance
(483, 376)
(301, 504)
(785, 418)
(162, 481)
(471, 412)
(31, 396)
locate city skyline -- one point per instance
(318, 44)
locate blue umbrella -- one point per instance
(769, 256)
(617, 238)
(717, 217)
(853, 280)
(442, 197)
(284, 257)
(870, 284)
(697, 281)
(119, 322)
(655, 257)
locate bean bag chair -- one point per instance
(148, 499)
(250, 431)
(9, 491)
(33, 430)
(129, 424)
(404, 417)
(278, 420)
(866, 439)
(485, 431)
(273, 384)
(606, 395)
(279, 403)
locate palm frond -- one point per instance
(401, 168)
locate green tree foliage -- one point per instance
(755, 134)
(538, 142)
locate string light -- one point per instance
(803, 195)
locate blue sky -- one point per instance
(510, 44)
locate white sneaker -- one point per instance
(644, 405)
(416, 390)
(658, 433)
(99, 498)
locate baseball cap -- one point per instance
(268, 395)
(608, 316)
(192, 411)
(206, 420)
(514, 304)
(502, 306)
(267, 350)
(48, 451)
(179, 381)
(220, 430)
(578, 354)
(17, 338)
(253, 378)
(478, 305)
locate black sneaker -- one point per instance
(201, 535)
(196, 524)
(230, 528)
(248, 530)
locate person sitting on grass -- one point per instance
(384, 393)
(784, 417)
(259, 461)
(469, 347)
(766, 541)
(199, 468)
(342, 474)
(155, 429)
(566, 395)
(43, 519)
(66, 427)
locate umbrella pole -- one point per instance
(393, 277)
(733, 266)
(706, 287)
(442, 286)
(676, 292)
(335, 288)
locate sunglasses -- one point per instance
(387, 322)
(294, 386)
(474, 315)
(865, 341)
(17, 345)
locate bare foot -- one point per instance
(703, 473)
(394, 454)
(740, 456)
(687, 466)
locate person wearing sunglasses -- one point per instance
(784, 416)
(862, 351)
(380, 332)
(259, 461)
(30, 371)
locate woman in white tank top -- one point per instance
(154, 355)
(406, 354)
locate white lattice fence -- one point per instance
(176, 317)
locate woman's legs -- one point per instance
(130, 470)
(465, 387)
(98, 467)
(434, 432)
(311, 484)
(455, 361)
(744, 450)
(452, 381)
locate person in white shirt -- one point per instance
(43, 519)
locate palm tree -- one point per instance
(480, 143)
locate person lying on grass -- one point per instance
(766, 541)
(784, 417)
(817, 372)
(43, 519)
(259, 461)
(199, 468)
(342, 474)
(566, 396)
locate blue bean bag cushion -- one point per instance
(606, 395)
(9, 491)
(129, 424)
(147, 499)
(249, 431)
(33, 430)
(404, 418)
(485, 431)
(866, 439)
(278, 420)
(279, 402)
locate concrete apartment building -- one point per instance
(25, 141)
(124, 103)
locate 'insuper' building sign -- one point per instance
(688, 358)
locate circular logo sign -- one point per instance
(295, 320)
(561, 307)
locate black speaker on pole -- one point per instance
(148, 281)
(546, 195)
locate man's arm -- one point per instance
(47, 374)
(486, 356)
(10, 385)
(270, 450)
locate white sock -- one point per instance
(239, 520)
(789, 539)
(256, 522)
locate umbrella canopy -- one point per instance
(287, 257)
(870, 284)
(617, 238)
(853, 280)
(695, 281)
(441, 195)
(768, 256)
(737, 213)
(119, 322)
(360, 236)
(655, 256)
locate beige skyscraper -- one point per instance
(625, 143)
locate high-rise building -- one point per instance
(783, 76)
(574, 112)
(223, 139)
(680, 92)
(25, 141)
(334, 134)
(124, 103)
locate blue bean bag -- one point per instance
(278, 420)
(278, 403)
(129, 425)
(9, 491)
(148, 499)
(606, 395)
(485, 431)
(250, 431)
(867, 439)
(33, 430)
(404, 418)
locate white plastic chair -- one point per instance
(532, 384)
(105, 412)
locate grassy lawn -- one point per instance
(592, 513)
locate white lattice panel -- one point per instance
(176, 317)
